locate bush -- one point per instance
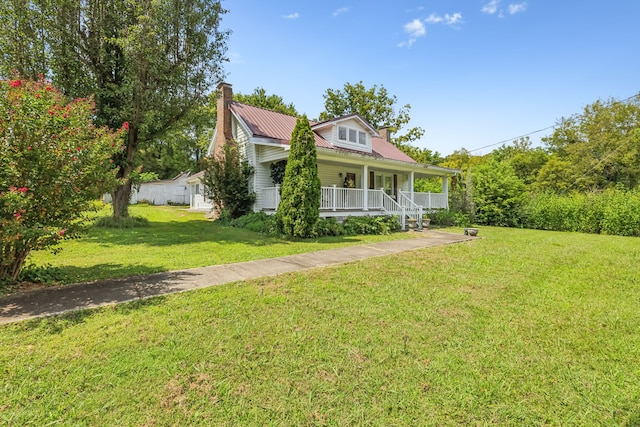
(449, 218)
(54, 164)
(259, 222)
(613, 211)
(328, 227)
(354, 225)
(299, 207)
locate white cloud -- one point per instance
(408, 43)
(491, 7)
(340, 11)
(447, 19)
(294, 15)
(517, 8)
(454, 19)
(434, 19)
(415, 28)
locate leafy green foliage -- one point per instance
(54, 162)
(226, 182)
(259, 98)
(449, 218)
(277, 171)
(601, 145)
(613, 211)
(146, 63)
(497, 194)
(375, 105)
(354, 225)
(299, 207)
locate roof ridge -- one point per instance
(264, 109)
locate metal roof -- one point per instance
(272, 125)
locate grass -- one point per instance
(521, 327)
(175, 239)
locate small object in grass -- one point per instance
(470, 231)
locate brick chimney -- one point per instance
(385, 133)
(223, 134)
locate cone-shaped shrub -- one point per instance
(299, 207)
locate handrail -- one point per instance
(412, 207)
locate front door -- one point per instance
(388, 182)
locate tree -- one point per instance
(53, 164)
(602, 145)
(259, 98)
(497, 194)
(226, 182)
(375, 105)
(147, 62)
(525, 160)
(299, 207)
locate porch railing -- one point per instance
(411, 209)
(334, 198)
(337, 198)
(429, 201)
(271, 197)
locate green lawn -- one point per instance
(175, 239)
(518, 328)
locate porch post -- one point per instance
(445, 190)
(277, 196)
(411, 181)
(365, 188)
(333, 197)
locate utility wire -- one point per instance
(548, 127)
(511, 139)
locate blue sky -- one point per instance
(475, 72)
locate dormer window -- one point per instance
(352, 136)
(342, 133)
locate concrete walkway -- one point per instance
(55, 300)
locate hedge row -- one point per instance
(613, 211)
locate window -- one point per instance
(342, 133)
(352, 135)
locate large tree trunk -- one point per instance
(120, 199)
(12, 271)
(121, 194)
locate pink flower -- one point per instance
(61, 232)
(15, 83)
(37, 96)
(12, 188)
(22, 190)
(29, 148)
(79, 148)
(17, 215)
(125, 125)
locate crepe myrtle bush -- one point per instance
(53, 164)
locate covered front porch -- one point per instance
(341, 202)
(356, 185)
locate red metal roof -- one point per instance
(270, 124)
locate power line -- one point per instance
(511, 139)
(548, 127)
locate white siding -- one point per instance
(262, 177)
(351, 124)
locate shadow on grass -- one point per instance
(64, 301)
(56, 324)
(172, 233)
